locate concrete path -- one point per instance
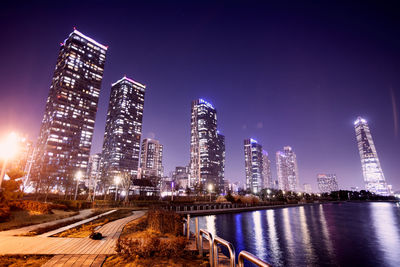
(76, 260)
(82, 214)
(58, 245)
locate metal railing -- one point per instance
(251, 258)
(210, 238)
(228, 245)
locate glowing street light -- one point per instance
(117, 180)
(78, 178)
(8, 149)
(210, 189)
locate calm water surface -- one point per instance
(346, 234)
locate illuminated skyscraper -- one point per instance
(66, 133)
(288, 174)
(253, 162)
(207, 147)
(373, 175)
(266, 171)
(93, 171)
(123, 131)
(327, 183)
(151, 159)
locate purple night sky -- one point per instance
(282, 72)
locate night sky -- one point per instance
(292, 73)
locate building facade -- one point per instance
(121, 147)
(288, 174)
(93, 171)
(207, 147)
(266, 171)
(181, 176)
(253, 162)
(327, 183)
(65, 137)
(151, 159)
(307, 188)
(371, 167)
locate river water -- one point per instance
(344, 234)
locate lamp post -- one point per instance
(210, 188)
(268, 192)
(117, 180)
(172, 191)
(8, 149)
(77, 178)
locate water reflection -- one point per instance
(349, 234)
(275, 250)
(387, 231)
(259, 237)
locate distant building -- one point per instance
(373, 175)
(288, 174)
(327, 183)
(266, 171)
(207, 147)
(307, 188)
(123, 131)
(181, 176)
(93, 171)
(151, 159)
(65, 137)
(354, 188)
(253, 162)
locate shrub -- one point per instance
(165, 221)
(29, 205)
(4, 212)
(221, 199)
(75, 204)
(150, 246)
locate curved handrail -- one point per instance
(228, 245)
(252, 258)
(210, 238)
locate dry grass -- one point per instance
(21, 218)
(23, 260)
(86, 229)
(186, 260)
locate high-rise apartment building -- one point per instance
(65, 138)
(253, 162)
(307, 188)
(207, 147)
(286, 164)
(121, 147)
(181, 176)
(327, 183)
(151, 159)
(373, 175)
(266, 171)
(93, 171)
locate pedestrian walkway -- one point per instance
(82, 214)
(76, 260)
(61, 246)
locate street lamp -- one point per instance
(268, 192)
(78, 177)
(117, 180)
(8, 149)
(210, 189)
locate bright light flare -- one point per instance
(117, 179)
(9, 147)
(210, 187)
(78, 176)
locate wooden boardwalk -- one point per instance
(71, 246)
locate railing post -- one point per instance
(252, 258)
(217, 240)
(210, 241)
(188, 226)
(196, 220)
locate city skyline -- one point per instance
(323, 136)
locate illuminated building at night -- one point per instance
(266, 171)
(207, 147)
(123, 131)
(373, 175)
(327, 183)
(307, 188)
(93, 171)
(253, 162)
(286, 165)
(151, 159)
(181, 176)
(65, 137)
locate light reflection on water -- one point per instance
(347, 234)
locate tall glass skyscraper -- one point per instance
(373, 175)
(123, 131)
(151, 159)
(266, 172)
(207, 147)
(253, 162)
(65, 138)
(327, 183)
(288, 174)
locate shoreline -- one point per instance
(196, 213)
